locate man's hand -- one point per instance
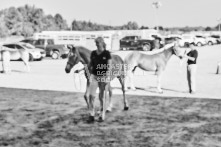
(188, 57)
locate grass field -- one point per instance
(59, 119)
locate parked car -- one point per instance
(209, 40)
(31, 47)
(217, 37)
(34, 54)
(53, 50)
(136, 43)
(171, 38)
(189, 38)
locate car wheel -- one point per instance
(210, 43)
(199, 44)
(31, 58)
(55, 55)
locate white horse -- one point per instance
(7, 54)
(150, 62)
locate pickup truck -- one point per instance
(53, 50)
(136, 43)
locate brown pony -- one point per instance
(81, 54)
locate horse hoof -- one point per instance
(91, 119)
(100, 119)
(126, 108)
(108, 111)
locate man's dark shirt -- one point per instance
(194, 54)
(99, 62)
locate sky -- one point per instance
(172, 13)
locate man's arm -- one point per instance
(189, 58)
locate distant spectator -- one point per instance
(192, 56)
(156, 44)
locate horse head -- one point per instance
(73, 58)
(176, 50)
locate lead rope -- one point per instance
(78, 76)
(79, 81)
(182, 60)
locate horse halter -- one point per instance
(70, 55)
(175, 50)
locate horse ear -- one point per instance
(70, 46)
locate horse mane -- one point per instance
(84, 52)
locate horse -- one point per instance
(81, 54)
(8, 54)
(153, 62)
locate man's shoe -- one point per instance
(192, 92)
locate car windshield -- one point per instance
(29, 46)
(186, 37)
(214, 36)
(200, 36)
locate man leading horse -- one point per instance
(100, 75)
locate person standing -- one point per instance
(191, 56)
(100, 71)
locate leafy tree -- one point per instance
(208, 29)
(60, 22)
(143, 27)
(3, 29)
(13, 21)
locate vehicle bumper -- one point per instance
(43, 55)
(36, 56)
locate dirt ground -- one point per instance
(59, 119)
(50, 75)
(43, 108)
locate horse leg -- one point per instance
(159, 76)
(125, 101)
(131, 76)
(6, 62)
(86, 95)
(25, 59)
(27, 65)
(92, 93)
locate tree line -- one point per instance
(27, 20)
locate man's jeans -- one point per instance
(191, 77)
